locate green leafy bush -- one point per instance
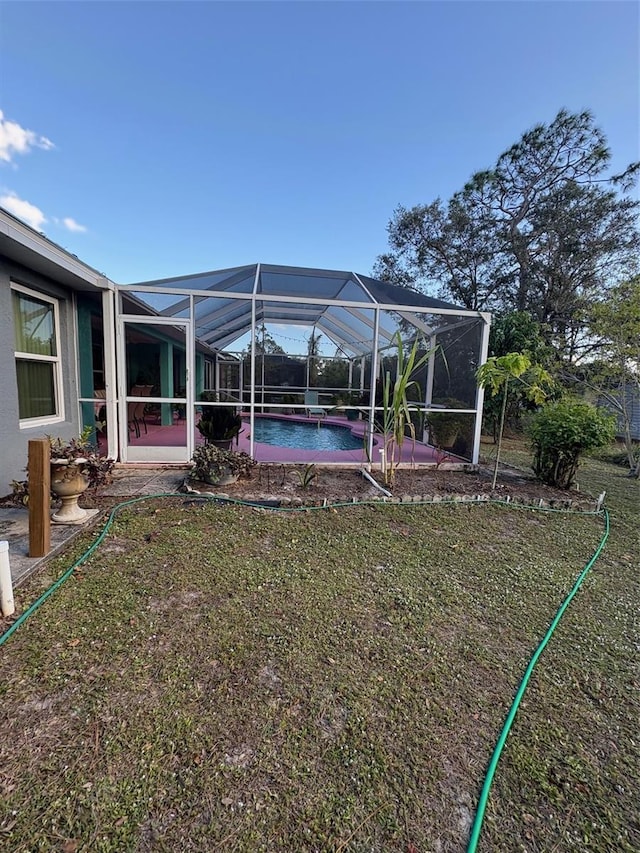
(212, 464)
(562, 432)
(219, 423)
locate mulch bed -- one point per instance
(283, 483)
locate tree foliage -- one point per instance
(446, 245)
(514, 332)
(544, 231)
(313, 357)
(515, 368)
(614, 324)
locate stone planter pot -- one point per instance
(222, 443)
(444, 437)
(68, 483)
(224, 478)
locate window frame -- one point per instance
(54, 360)
(208, 375)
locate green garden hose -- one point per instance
(484, 796)
(482, 803)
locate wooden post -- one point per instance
(39, 474)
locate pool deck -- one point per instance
(412, 453)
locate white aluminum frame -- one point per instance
(417, 315)
(56, 360)
(155, 453)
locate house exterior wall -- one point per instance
(633, 409)
(13, 439)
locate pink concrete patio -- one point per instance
(175, 436)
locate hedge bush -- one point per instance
(561, 433)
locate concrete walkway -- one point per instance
(14, 521)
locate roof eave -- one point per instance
(25, 246)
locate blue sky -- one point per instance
(159, 139)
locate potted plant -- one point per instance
(354, 399)
(219, 467)
(75, 466)
(444, 427)
(219, 425)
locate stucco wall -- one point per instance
(13, 440)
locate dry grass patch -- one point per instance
(340, 689)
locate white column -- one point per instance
(6, 586)
(374, 374)
(216, 377)
(252, 399)
(484, 350)
(190, 344)
(428, 399)
(110, 375)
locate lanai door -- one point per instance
(156, 402)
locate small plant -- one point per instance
(561, 433)
(20, 492)
(354, 402)
(80, 452)
(444, 427)
(496, 374)
(77, 453)
(306, 475)
(212, 464)
(397, 411)
(219, 423)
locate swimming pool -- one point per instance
(305, 436)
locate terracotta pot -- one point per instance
(68, 483)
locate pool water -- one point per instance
(304, 436)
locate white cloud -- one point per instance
(24, 210)
(72, 225)
(15, 139)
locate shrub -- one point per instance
(562, 432)
(219, 423)
(212, 464)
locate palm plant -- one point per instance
(396, 409)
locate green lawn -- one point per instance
(223, 678)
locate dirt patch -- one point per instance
(183, 601)
(117, 545)
(334, 484)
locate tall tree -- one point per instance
(445, 250)
(266, 343)
(583, 238)
(615, 324)
(570, 149)
(518, 331)
(545, 230)
(313, 358)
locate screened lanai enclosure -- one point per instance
(302, 355)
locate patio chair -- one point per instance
(99, 409)
(311, 405)
(135, 416)
(136, 411)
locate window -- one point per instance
(35, 323)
